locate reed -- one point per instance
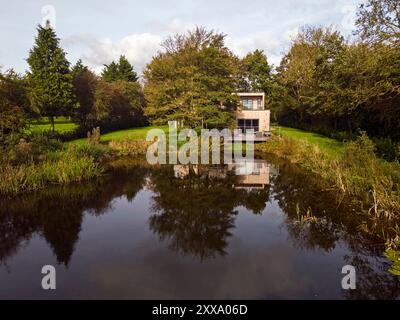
(357, 173)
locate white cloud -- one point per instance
(178, 26)
(138, 49)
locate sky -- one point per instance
(99, 31)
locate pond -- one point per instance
(190, 232)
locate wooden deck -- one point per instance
(258, 137)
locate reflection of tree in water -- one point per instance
(57, 213)
(196, 213)
(301, 197)
(373, 279)
(315, 221)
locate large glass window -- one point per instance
(248, 124)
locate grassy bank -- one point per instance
(120, 135)
(39, 161)
(331, 147)
(33, 165)
(352, 170)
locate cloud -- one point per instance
(274, 45)
(138, 49)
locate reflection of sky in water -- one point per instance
(148, 240)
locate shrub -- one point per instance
(94, 151)
(94, 136)
(130, 147)
(387, 149)
(57, 167)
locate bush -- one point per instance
(58, 167)
(32, 148)
(94, 151)
(94, 136)
(387, 149)
(130, 147)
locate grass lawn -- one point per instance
(331, 146)
(133, 134)
(62, 125)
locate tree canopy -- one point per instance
(379, 21)
(192, 80)
(121, 70)
(257, 73)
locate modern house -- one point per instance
(251, 113)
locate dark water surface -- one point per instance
(182, 233)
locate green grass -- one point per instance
(70, 164)
(62, 125)
(330, 146)
(128, 134)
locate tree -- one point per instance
(125, 70)
(109, 105)
(122, 70)
(84, 87)
(192, 80)
(328, 85)
(379, 21)
(50, 80)
(305, 77)
(110, 72)
(13, 103)
(257, 73)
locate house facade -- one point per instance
(251, 113)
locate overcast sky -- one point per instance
(98, 31)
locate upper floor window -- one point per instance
(259, 104)
(247, 104)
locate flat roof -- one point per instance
(250, 94)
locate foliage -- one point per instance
(394, 257)
(130, 147)
(122, 70)
(50, 80)
(33, 164)
(379, 21)
(192, 81)
(356, 172)
(387, 149)
(257, 73)
(326, 83)
(93, 137)
(108, 105)
(84, 87)
(13, 104)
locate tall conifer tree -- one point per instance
(50, 80)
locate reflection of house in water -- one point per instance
(252, 174)
(181, 171)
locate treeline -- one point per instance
(336, 87)
(52, 88)
(324, 83)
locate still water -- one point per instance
(263, 230)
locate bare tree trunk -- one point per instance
(52, 123)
